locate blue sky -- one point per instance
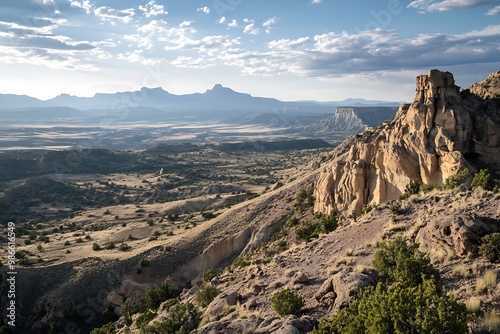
(289, 49)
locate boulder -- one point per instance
(341, 288)
(222, 302)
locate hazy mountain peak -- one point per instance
(218, 88)
(154, 89)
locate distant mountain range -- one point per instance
(152, 115)
(218, 99)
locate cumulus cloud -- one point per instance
(250, 27)
(222, 20)
(43, 57)
(288, 44)
(205, 10)
(268, 24)
(233, 24)
(107, 13)
(86, 5)
(494, 11)
(315, 2)
(190, 62)
(332, 54)
(446, 5)
(186, 24)
(153, 9)
(136, 56)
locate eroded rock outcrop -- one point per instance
(429, 140)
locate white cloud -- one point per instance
(268, 24)
(154, 25)
(233, 24)
(315, 2)
(106, 13)
(186, 24)
(222, 20)
(205, 10)
(54, 59)
(446, 5)
(137, 57)
(85, 5)
(288, 44)
(337, 54)
(190, 62)
(250, 27)
(494, 11)
(153, 9)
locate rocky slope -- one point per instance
(441, 132)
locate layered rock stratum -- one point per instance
(440, 133)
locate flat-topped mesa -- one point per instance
(427, 141)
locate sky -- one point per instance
(325, 50)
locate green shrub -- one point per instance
(399, 261)
(287, 302)
(303, 195)
(485, 180)
(111, 245)
(292, 221)
(205, 294)
(328, 223)
(368, 208)
(399, 308)
(456, 180)
(156, 296)
(306, 231)
(109, 328)
(96, 247)
(209, 275)
(412, 188)
(143, 320)
(242, 261)
(309, 230)
(490, 247)
(426, 188)
(124, 247)
(408, 299)
(181, 319)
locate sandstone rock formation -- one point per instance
(441, 132)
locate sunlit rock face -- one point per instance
(441, 132)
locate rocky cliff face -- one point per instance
(441, 132)
(354, 119)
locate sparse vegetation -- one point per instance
(287, 302)
(490, 247)
(408, 299)
(308, 230)
(182, 318)
(458, 179)
(412, 188)
(155, 296)
(206, 293)
(368, 208)
(209, 275)
(486, 282)
(489, 324)
(485, 180)
(304, 196)
(124, 247)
